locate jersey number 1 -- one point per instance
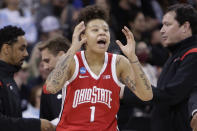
(92, 108)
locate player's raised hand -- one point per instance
(129, 48)
(76, 41)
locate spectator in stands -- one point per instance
(50, 26)
(12, 14)
(33, 107)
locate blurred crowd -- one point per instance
(44, 19)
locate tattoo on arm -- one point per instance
(56, 76)
(142, 74)
(130, 83)
(143, 77)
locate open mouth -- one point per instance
(101, 42)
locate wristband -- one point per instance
(45, 90)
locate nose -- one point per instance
(26, 53)
(162, 30)
(102, 32)
(45, 66)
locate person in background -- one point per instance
(158, 53)
(138, 113)
(51, 50)
(21, 79)
(137, 23)
(12, 54)
(50, 27)
(33, 107)
(143, 54)
(13, 14)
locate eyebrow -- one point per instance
(98, 26)
(24, 45)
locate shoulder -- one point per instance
(191, 51)
(122, 64)
(121, 60)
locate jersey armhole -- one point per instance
(76, 70)
(64, 89)
(114, 75)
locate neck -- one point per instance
(5, 59)
(94, 58)
(187, 35)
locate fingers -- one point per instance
(83, 40)
(125, 33)
(119, 44)
(129, 32)
(79, 28)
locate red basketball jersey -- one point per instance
(91, 102)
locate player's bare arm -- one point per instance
(131, 72)
(65, 66)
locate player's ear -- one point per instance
(5, 49)
(186, 26)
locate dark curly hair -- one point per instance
(93, 12)
(185, 12)
(9, 34)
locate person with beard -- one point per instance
(12, 54)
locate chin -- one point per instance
(165, 43)
(101, 51)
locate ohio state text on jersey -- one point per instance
(90, 101)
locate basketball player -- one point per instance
(92, 79)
